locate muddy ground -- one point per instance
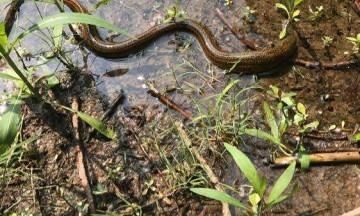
(148, 170)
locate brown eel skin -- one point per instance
(264, 60)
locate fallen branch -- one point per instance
(356, 6)
(354, 212)
(322, 158)
(81, 161)
(168, 102)
(213, 178)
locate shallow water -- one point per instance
(158, 62)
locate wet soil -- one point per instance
(148, 166)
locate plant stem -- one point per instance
(18, 71)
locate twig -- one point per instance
(213, 178)
(168, 102)
(81, 160)
(356, 6)
(248, 43)
(108, 113)
(354, 212)
(322, 158)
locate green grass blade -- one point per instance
(69, 18)
(282, 183)
(271, 121)
(9, 122)
(262, 135)
(98, 125)
(218, 195)
(9, 75)
(3, 36)
(248, 169)
(224, 92)
(356, 137)
(57, 35)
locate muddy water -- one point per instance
(162, 61)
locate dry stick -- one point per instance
(213, 178)
(248, 43)
(168, 102)
(81, 160)
(356, 6)
(108, 113)
(301, 62)
(354, 212)
(322, 158)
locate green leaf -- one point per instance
(281, 6)
(9, 122)
(283, 124)
(248, 169)
(282, 34)
(311, 126)
(218, 195)
(301, 108)
(3, 36)
(296, 13)
(52, 81)
(356, 137)
(98, 125)
(271, 121)
(254, 199)
(297, 2)
(279, 200)
(69, 18)
(57, 36)
(262, 135)
(9, 75)
(282, 183)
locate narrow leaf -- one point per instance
(218, 195)
(271, 121)
(262, 135)
(3, 36)
(57, 35)
(282, 34)
(69, 18)
(98, 125)
(356, 137)
(225, 91)
(9, 122)
(281, 6)
(247, 168)
(282, 183)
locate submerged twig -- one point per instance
(81, 160)
(354, 212)
(168, 102)
(213, 178)
(108, 113)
